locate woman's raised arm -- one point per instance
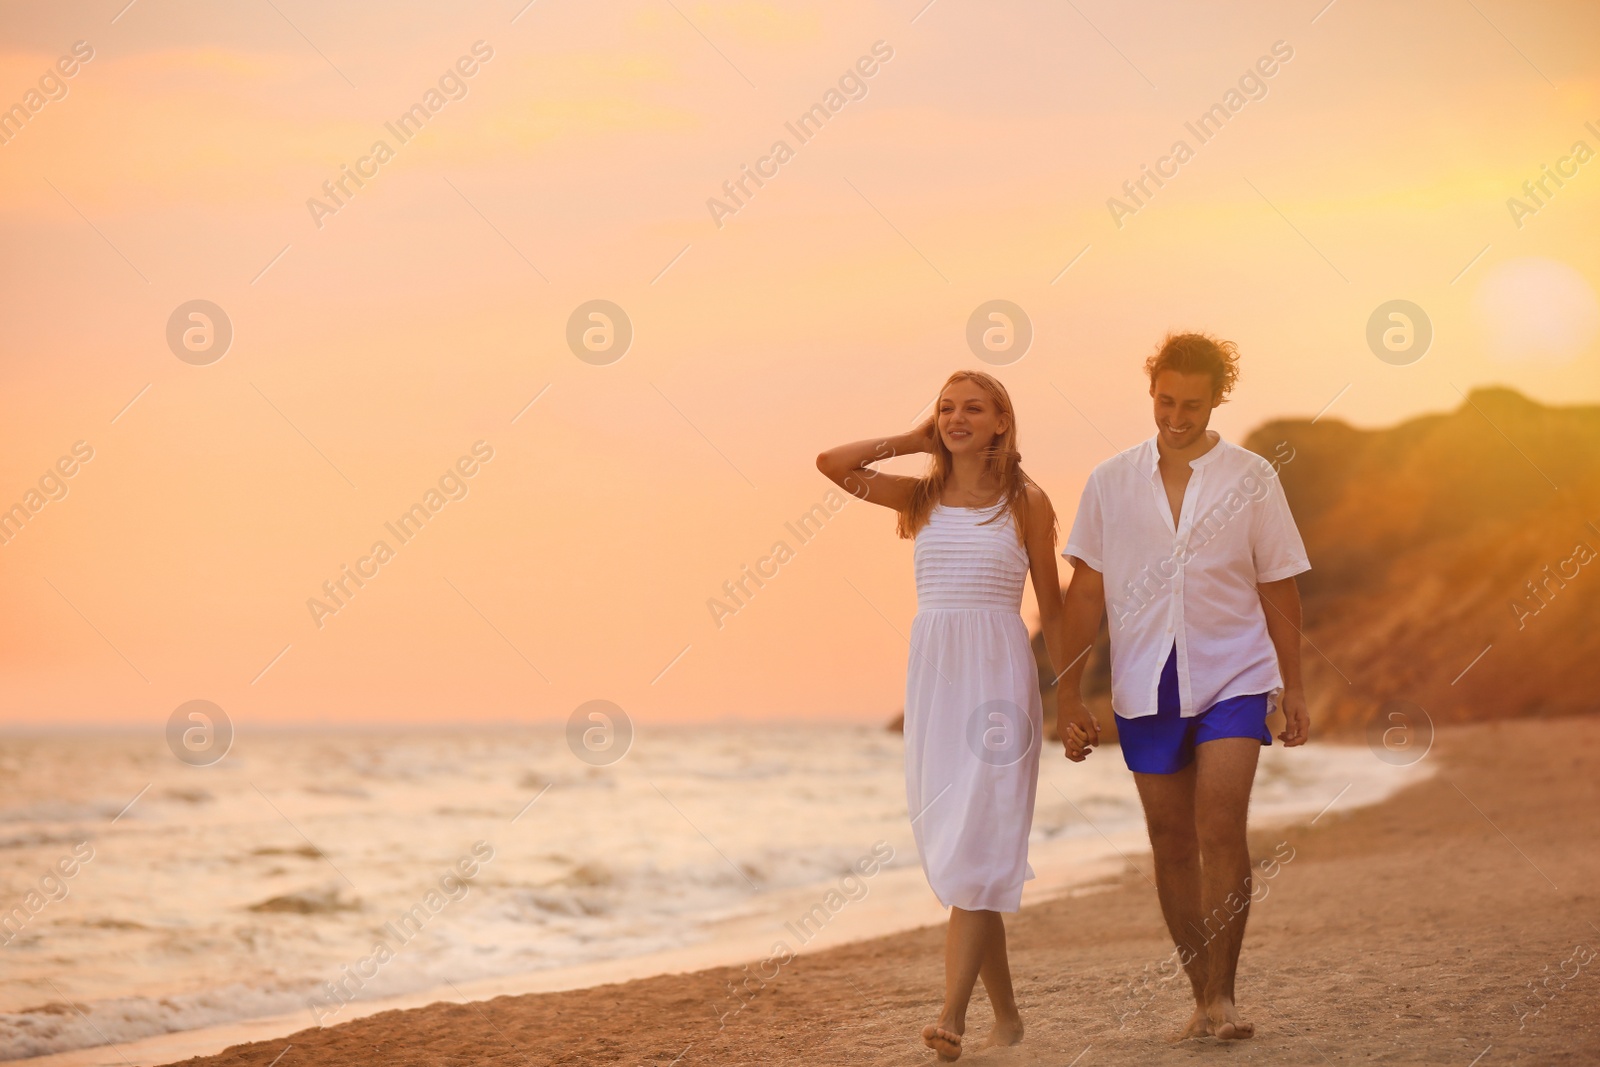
(849, 466)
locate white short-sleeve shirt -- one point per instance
(1193, 585)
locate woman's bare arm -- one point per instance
(849, 466)
(1041, 542)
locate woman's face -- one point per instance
(968, 419)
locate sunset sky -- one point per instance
(375, 344)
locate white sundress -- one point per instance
(974, 719)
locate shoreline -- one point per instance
(898, 901)
(1409, 932)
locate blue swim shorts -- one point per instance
(1164, 743)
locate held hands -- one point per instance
(1079, 729)
(1297, 721)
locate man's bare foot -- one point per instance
(1199, 1025)
(944, 1041)
(1005, 1032)
(1225, 1021)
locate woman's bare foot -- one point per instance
(943, 1040)
(1199, 1025)
(1006, 1031)
(1225, 1021)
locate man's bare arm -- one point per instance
(1280, 601)
(1083, 606)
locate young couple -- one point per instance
(1187, 541)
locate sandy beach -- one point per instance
(1414, 931)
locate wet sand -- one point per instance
(1410, 932)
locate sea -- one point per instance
(141, 895)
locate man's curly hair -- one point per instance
(1197, 353)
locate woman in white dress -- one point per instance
(973, 718)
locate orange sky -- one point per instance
(428, 311)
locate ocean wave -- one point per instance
(61, 1027)
(188, 796)
(37, 839)
(748, 772)
(588, 875)
(305, 851)
(571, 905)
(323, 901)
(51, 810)
(355, 792)
(590, 778)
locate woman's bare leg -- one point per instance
(964, 944)
(995, 970)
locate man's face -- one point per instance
(1183, 404)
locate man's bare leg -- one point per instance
(964, 943)
(995, 970)
(1225, 769)
(1169, 813)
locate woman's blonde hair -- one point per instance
(1001, 459)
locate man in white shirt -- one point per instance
(1186, 541)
